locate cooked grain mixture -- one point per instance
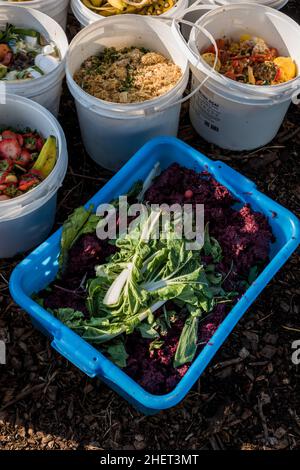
(128, 75)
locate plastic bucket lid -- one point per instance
(17, 111)
(28, 17)
(85, 16)
(275, 27)
(123, 31)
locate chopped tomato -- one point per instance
(4, 49)
(230, 74)
(32, 178)
(278, 74)
(274, 52)
(7, 59)
(220, 43)
(210, 49)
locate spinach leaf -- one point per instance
(118, 354)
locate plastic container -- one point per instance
(278, 4)
(56, 9)
(45, 90)
(85, 16)
(112, 132)
(26, 221)
(230, 114)
(40, 268)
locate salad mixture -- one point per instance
(26, 159)
(25, 54)
(151, 305)
(139, 7)
(250, 60)
(128, 75)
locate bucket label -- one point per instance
(208, 110)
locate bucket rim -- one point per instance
(267, 92)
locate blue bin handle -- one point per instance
(77, 351)
(233, 177)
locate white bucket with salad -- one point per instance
(89, 11)
(33, 48)
(33, 164)
(127, 78)
(56, 9)
(250, 82)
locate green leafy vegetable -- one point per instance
(69, 317)
(156, 344)
(80, 222)
(253, 273)
(187, 346)
(148, 331)
(139, 279)
(118, 354)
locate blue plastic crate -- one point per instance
(40, 268)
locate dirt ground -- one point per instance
(243, 401)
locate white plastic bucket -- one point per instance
(45, 90)
(113, 132)
(85, 16)
(56, 9)
(26, 221)
(230, 114)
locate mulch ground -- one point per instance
(248, 398)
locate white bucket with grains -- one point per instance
(45, 90)
(231, 114)
(113, 132)
(85, 16)
(56, 9)
(26, 221)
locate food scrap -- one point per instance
(250, 60)
(129, 75)
(25, 54)
(118, 7)
(26, 159)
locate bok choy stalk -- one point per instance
(141, 277)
